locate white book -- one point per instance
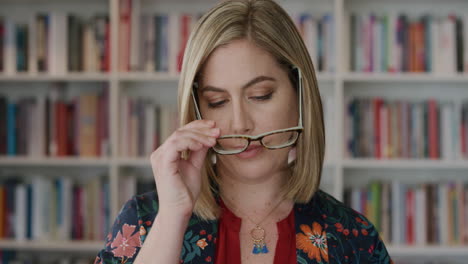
(58, 42)
(9, 47)
(435, 43)
(377, 44)
(443, 213)
(465, 35)
(446, 130)
(447, 46)
(420, 217)
(135, 64)
(149, 128)
(37, 226)
(397, 205)
(393, 43)
(20, 212)
(174, 41)
(311, 33)
(32, 45)
(124, 128)
(65, 206)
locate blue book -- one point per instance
(29, 194)
(11, 129)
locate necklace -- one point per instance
(258, 233)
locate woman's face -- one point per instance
(246, 92)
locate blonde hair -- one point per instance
(266, 24)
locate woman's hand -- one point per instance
(178, 181)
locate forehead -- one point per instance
(238, 62)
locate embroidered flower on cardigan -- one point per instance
(313, 242)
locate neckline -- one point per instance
(234, 222)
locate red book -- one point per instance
(61, 128)
(419, 47)
(410, 217)
(106, 66)
(433, 130)
(377, 105)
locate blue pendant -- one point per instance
(260, 248)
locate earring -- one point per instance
(292, 155)
(213, 158)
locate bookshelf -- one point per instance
(340, 171)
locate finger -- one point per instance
(197, 158)
(208, 131)
(177, 145)
(200, 123)
(206, 140)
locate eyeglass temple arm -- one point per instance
(197, 111)
(300, 95)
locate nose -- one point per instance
(241, 118)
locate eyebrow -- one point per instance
(255, 80)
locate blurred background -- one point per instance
(88, 90)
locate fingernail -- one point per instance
(215, 131)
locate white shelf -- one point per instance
(68, 246)
(66, 161)
(161, 76)
(27, 77)
(428, 251)
(405, 164)
(406, 77)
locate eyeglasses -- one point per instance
(276, 139)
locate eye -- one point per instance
(263, 97)
(216, 104)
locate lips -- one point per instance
(252, 147)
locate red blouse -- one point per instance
(228, 242)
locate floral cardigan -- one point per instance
(327, 231)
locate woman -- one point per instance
(230, 188)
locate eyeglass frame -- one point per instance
(299, 128)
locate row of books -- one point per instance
(47, 208)
(144, 125)
(397, 43)
(152, 42)
(55, 125)
(415, 214)
(382, 129)
(156, 42)
(55, 43)
(318, 33)
(15, 257)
